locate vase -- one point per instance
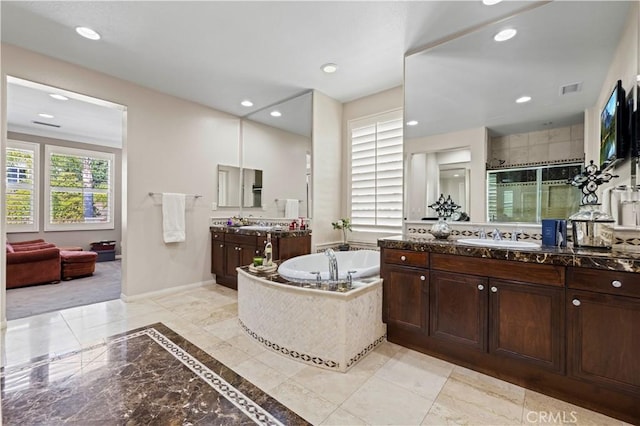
(441, 229)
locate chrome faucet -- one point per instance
(333, 265)
(496, 235)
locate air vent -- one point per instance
(570, 88)
(46, 124)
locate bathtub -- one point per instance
(366, 263)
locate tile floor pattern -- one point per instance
(392, 385)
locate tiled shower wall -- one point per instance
(552, 145)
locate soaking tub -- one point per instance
(366, 263)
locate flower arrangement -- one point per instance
(343, 224)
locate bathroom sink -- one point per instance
(257, 228)
(498, 243)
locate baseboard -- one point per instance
(165, 291)
(3, 324)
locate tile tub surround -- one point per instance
(615, 260)
(147, 376)
(330, 330)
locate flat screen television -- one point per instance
(634, 125)
(613, 128)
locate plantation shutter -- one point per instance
(22, 186)
(376, 174)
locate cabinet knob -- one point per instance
(239, 248)
(576, 302)
(215, 236)
(616, 283)
(494, 289)
(403, 258)
(221, 245)
(480, 287)
(422, 278)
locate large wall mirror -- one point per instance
(463, 92)
(276, 141)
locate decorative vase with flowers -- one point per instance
(344, 225)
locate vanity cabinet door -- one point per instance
(406, 292)
(604, 339)
(526, 322)
(458, 309)
(217, 257)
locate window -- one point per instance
(376, 173)
(532, 194)
(79, 189)
(22, 164)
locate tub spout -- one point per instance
(333, 265)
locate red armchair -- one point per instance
(32, 262)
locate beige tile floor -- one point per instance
(392, 385)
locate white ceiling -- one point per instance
(218, 53)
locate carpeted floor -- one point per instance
(102, 286)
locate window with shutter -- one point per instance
(22, 165)
(79, 186)
(376, 173)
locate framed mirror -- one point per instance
(463, 90)
(228, 186)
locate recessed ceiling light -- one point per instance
(87, 32)
(44, 115)
(329, 68)
(456, 175)
(246, 103)
(505, 35)
(523, 99)
(276, 114)
(412, 123)
(58, 97)
(490, 2)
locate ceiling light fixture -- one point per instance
(523, 99)
(246, 103)
(412, 123)
(87, 32)
(58, 97)
(329, 68)
(505, 34)
(490, 2)
(276, 114)
(44, 115)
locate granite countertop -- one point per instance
(568, 256)
(282, 233)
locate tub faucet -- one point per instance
(333, 265)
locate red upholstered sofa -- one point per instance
(32, 262)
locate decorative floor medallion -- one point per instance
(150, 375)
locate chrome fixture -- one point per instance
(333, 265)
(496, 235)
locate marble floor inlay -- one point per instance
(147, 376)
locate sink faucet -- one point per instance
(333, 265)
(496, 235)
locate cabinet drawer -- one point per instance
(602, 281)
(406, 257)
(241, 239)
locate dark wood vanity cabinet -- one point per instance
(604, 328)
(519, 320)
(458, 309)
(405, 289)
(232, 250)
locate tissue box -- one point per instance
(554, 232)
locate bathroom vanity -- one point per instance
(232, 247)
(562, 322)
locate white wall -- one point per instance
(474, 139)
(327, 186)
(281, 156)
(171, 145)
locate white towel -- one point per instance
(291, 209)
(173, 207)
